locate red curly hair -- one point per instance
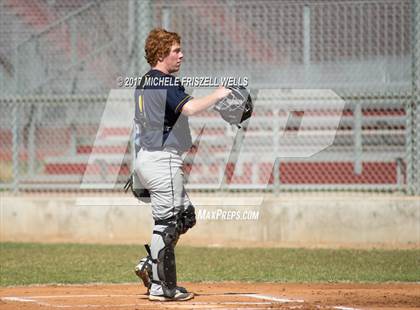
(158, 44)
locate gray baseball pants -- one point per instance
(161, 173)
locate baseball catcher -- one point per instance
(162, 109)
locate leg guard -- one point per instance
(166, 267)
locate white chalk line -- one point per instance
(33, 299)
(19, 299)
(285, 300)
(82, 295)
(272, 298)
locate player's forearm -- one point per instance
(197, 105)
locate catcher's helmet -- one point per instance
(236, 107)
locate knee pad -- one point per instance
(166, 267)
(186, 219)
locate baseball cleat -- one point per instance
(178, 297)
(180, 289)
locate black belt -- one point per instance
(168, 221)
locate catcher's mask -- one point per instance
(236, 107)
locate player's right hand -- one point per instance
(222, 92)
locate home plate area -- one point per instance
(205, 301)
(226, 295)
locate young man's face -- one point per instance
(173, 61)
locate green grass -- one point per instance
(22, 264)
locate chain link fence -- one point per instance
(335, 85)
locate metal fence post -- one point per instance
(16, 145)
(416, 147)
(413, 122)
(144, 25)
(307, 41)
(276, 135)
(357, 130)
(408, 147)
(16, 126)
(166, 18)
(276, 175)
(32, 139)
(72, 24)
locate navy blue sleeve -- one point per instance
(177, 98)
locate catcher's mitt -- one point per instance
(237, 107)
(137, 189)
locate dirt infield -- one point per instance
(226, 295)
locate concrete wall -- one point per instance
(308, 220)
